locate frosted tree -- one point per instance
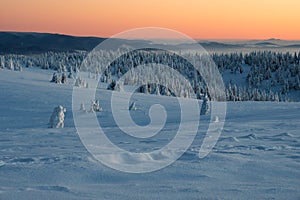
(297, 85)
(267, 74)
(63, 68)
(2, 62)
(132, 105)
(205, 108)
(157, 89)
(143, 89)
(11, 64)
(71, 75)
(18, 66)
(63, 78)
(56, 78)
(95, 106)
(58, 117)
(92, 107)
(82, 107)
(112, 85)
(79, 82)
(285, 88)
(276, 97)
(119, 87)
(70, 72)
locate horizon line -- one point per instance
(98, 36)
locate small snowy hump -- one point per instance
(288, 135)
(251, 136)
(216, 119)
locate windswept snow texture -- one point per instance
(256, 157)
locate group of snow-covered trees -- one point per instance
(11, 62)
(236, 93)
(95, 107)
(271, 76)
(59, 78)
(146, 69)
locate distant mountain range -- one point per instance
(30, 42)
(19, 42)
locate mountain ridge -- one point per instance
(35, 42)
(32, 42)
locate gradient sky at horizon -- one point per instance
(199, 19)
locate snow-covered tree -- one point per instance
(11, 64)
(132, 106)
(205, 108)
(2, 62)
(112, 85)
(79, 82)
(56, 78)
(119, 87)
(82, 107)
(297, 85)
(58, 117)
(63, 78)
(95, 106)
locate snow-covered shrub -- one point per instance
(216, 119)
(63, 78)
(79, 82)
(58, 117)
(112, 85)
(2, 62)
(71, 75)
(95, 106)
(132, 106)
(82, 107)
(59, 78)
(56, 78)
(119, 87)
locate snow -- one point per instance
(256, 157)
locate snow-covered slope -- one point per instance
(257, 155)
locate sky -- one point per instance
(199, 19)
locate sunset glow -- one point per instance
(202, 19)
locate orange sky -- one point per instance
(202, 19)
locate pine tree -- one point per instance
(57, 118)
(132, 105)
(11, 64)
(112, 85)
(2, 63)
(205, 108)
(297, 86)
(63, 78)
